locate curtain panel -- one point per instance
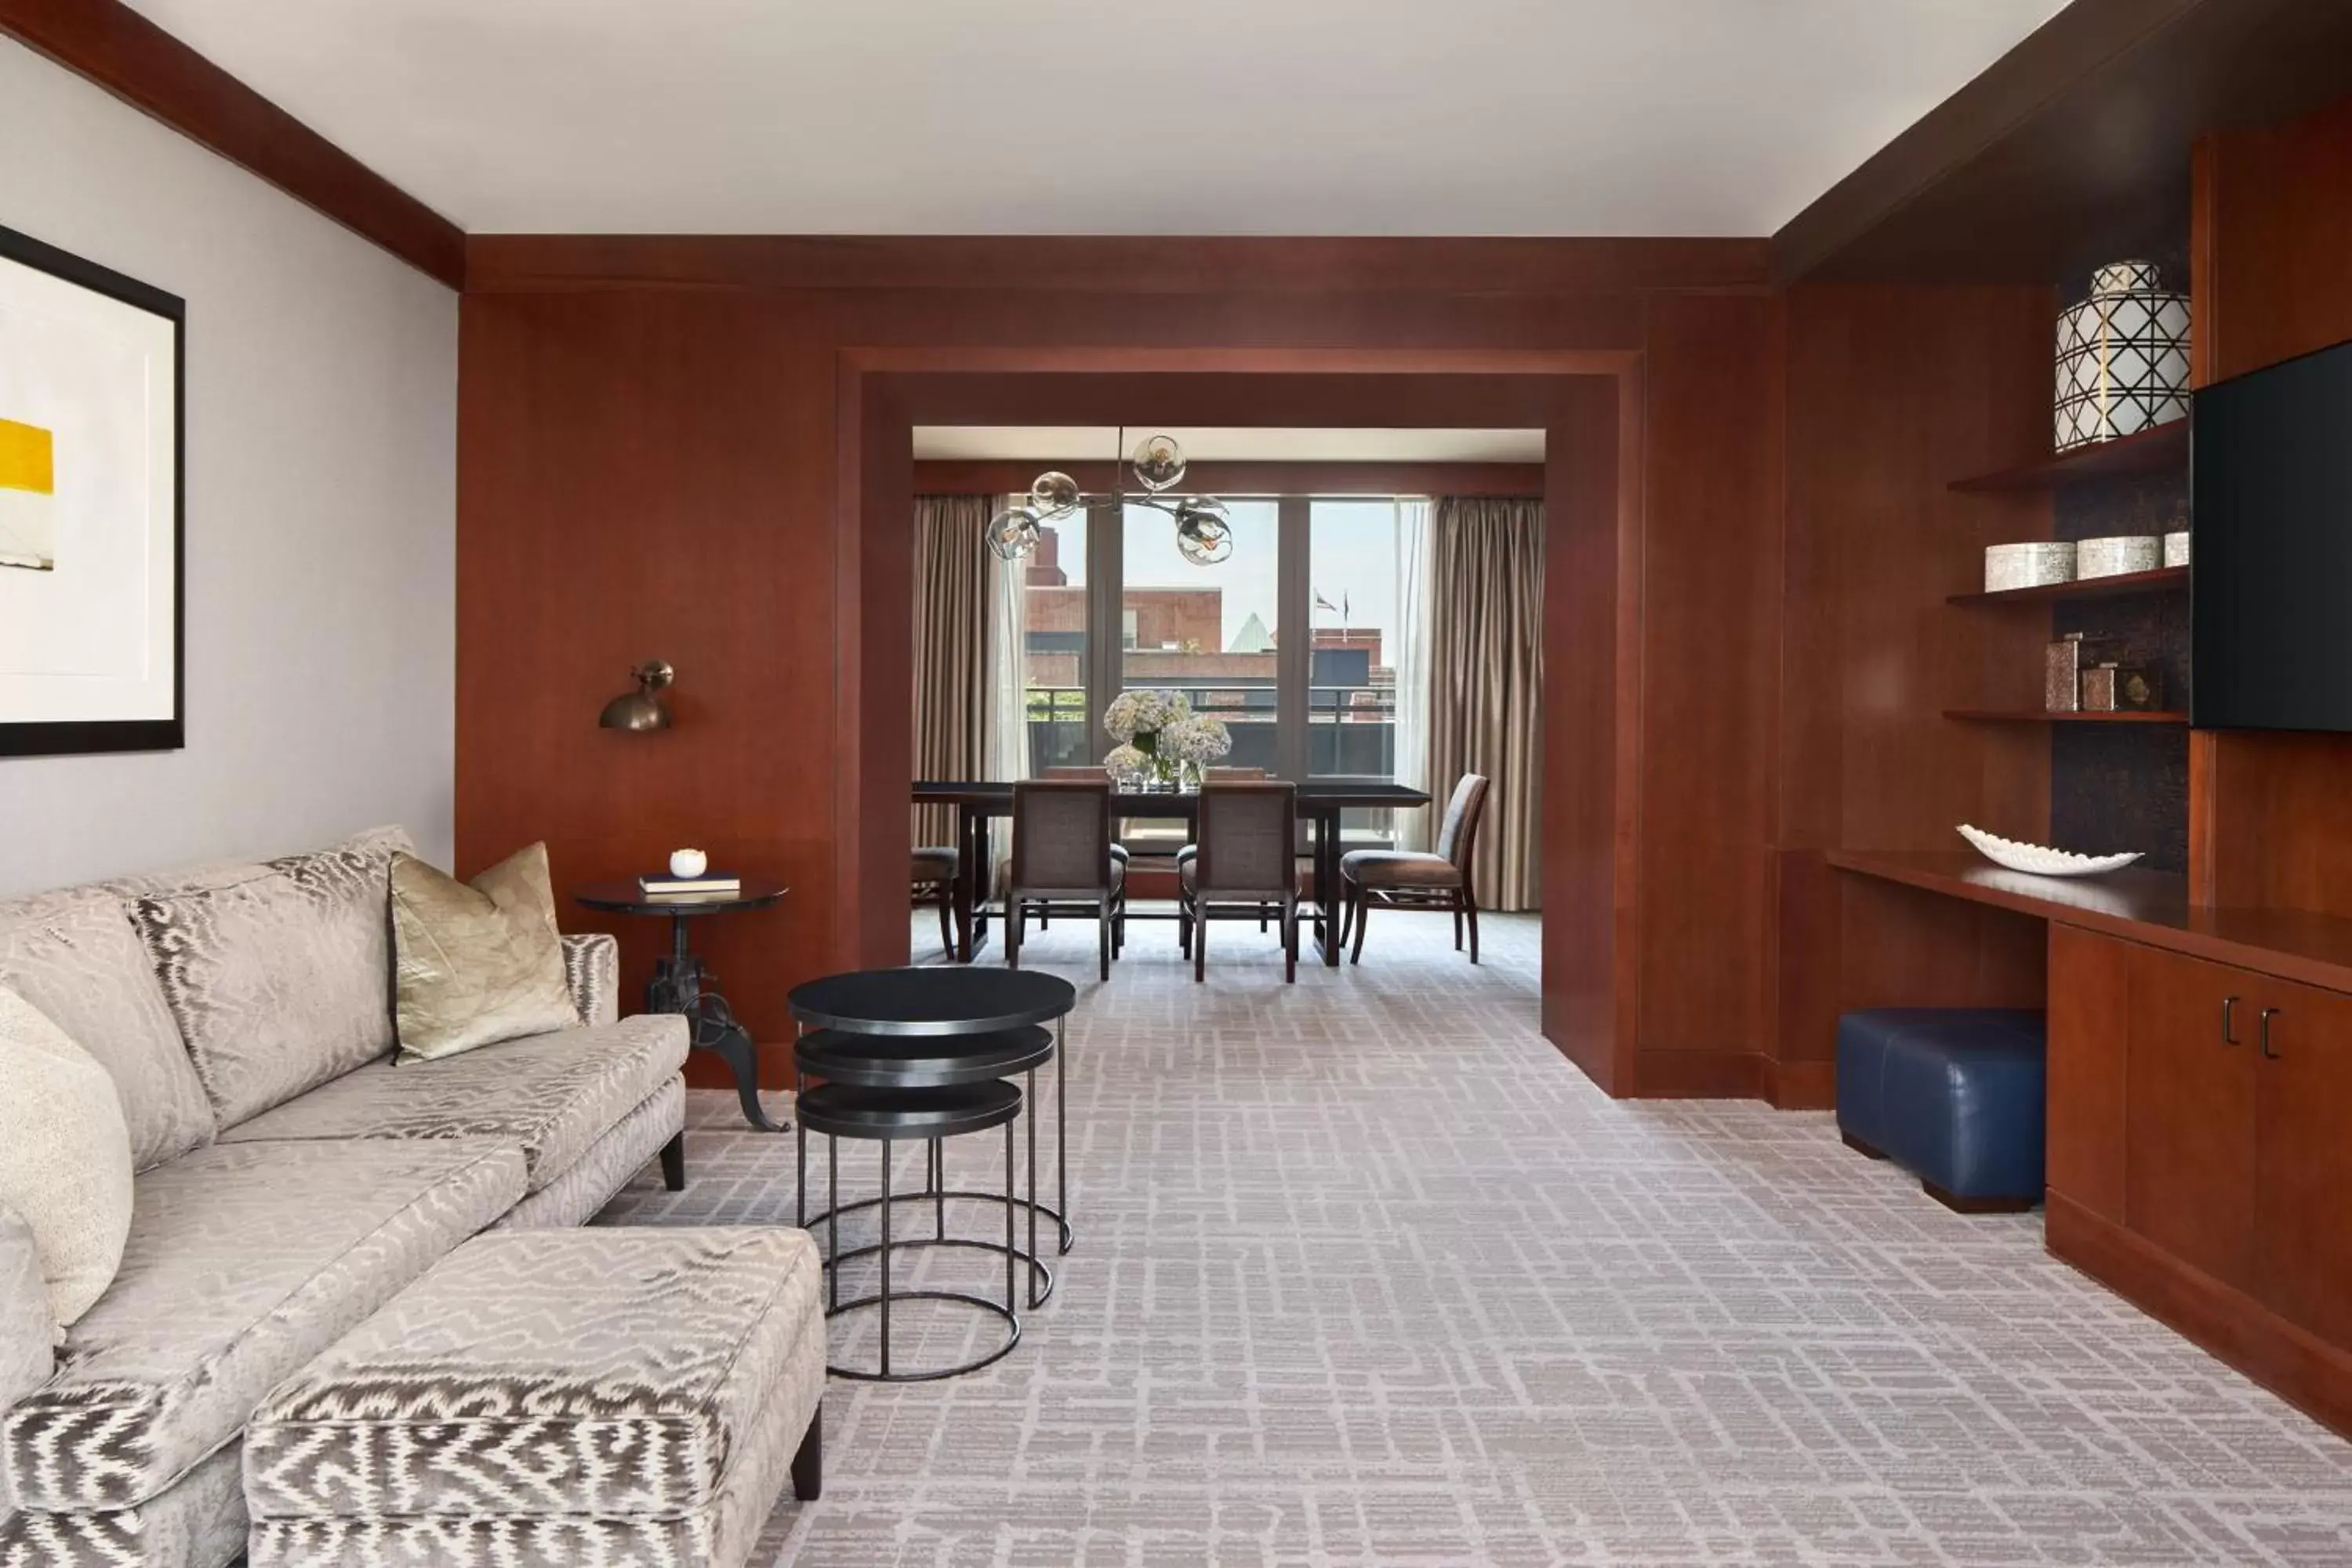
(953, 588)
(1485, 684)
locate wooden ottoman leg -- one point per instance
(808, 1465)
(673, 1162)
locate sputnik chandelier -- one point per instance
(1204, 537)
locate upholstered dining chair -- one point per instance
(1246, 865)
(1409, 880)
(936, 866)
(1062, 861)
(1224, 775)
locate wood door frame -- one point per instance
(1589, 401)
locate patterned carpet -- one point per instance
(1366, 1274)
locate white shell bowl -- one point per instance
(2039, 859)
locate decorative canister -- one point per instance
(2123, 357)
(2068, 658)
(2176, 549)
(2121, 687)
(2113, 557)
(2028, 565)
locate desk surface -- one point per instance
(1320, 794)
(2149, 907)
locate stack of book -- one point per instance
(709, 885)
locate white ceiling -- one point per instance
(1340, 117)
(1073, 443)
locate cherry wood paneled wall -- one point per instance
(2271, 238)
(664, 452)
(1892, 393)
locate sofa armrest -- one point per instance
(592, 967)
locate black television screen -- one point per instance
(2271, 560)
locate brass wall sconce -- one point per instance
(641, 710)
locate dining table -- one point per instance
(978, 802)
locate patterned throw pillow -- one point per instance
(65, 1157)
(478, 964)
(280, 977)
(75, 956)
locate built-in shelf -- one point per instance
(2082, 588)
(2159, 450)
(2038, 716)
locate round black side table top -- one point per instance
(845, 1110)
(628, 899)
(921, 1061)
(936, 1001)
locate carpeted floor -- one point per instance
(1366, 1274)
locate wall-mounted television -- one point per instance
(2271, 562)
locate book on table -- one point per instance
(709, 884)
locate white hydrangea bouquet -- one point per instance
(1159, 736)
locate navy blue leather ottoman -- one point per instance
(1955, 1094)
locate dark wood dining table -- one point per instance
(978, 801)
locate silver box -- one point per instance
(2113, 557)
(2028, 565)
(2176, 549)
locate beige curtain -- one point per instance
(951, 622)
(1486, 683)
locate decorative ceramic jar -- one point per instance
(2028, 565)
(2123, 357)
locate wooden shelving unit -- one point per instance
(2039, 716)
(2082, 588)
(2155, 452)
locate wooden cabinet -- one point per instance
(2089, 1031)
(2302, 1157)
(2189, 1151)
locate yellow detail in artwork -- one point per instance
(27, 459)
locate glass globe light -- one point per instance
(1013, 534)
(1054, 492)
(1158, 463)
(1204, 537)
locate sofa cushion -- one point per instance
(244, 1263)
(554, 1374)
(65, 1155)
(26, 1327)
(550, 1095)
(1399, 868)
(76, 957)
(279, 978)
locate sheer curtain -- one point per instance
(1008, 687)
(1486, 679)
(1415, 829)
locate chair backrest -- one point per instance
(1061, 836)
(1457, 837)
(1075, 775)
(1234, 775)
(1248, 837)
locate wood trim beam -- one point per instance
(1117, 265)
(991, 476)
(147, 68)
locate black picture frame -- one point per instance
(72, 737)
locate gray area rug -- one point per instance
(1366, 1274)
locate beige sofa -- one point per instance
(291, 1180)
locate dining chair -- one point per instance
(1061, 860)
(1224, 775)
(1413, 879)
(935, 870)
(1247, 864)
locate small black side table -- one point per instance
(682, 984)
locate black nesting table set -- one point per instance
(894, 1056)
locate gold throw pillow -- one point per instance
(478, 964)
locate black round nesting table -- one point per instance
(888, 1116)
(898, 1034)
(682, 984)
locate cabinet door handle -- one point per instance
(2228, 1023)
(2268, 1014)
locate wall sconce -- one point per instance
(641, 710)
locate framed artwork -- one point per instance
(91, 554)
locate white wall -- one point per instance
(321, 503)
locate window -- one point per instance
(1351, 555)
(1054, 641)
(1208, 632)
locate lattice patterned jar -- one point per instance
(2123, 357)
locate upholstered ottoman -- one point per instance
(576, 1397)
(1953, 1094)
